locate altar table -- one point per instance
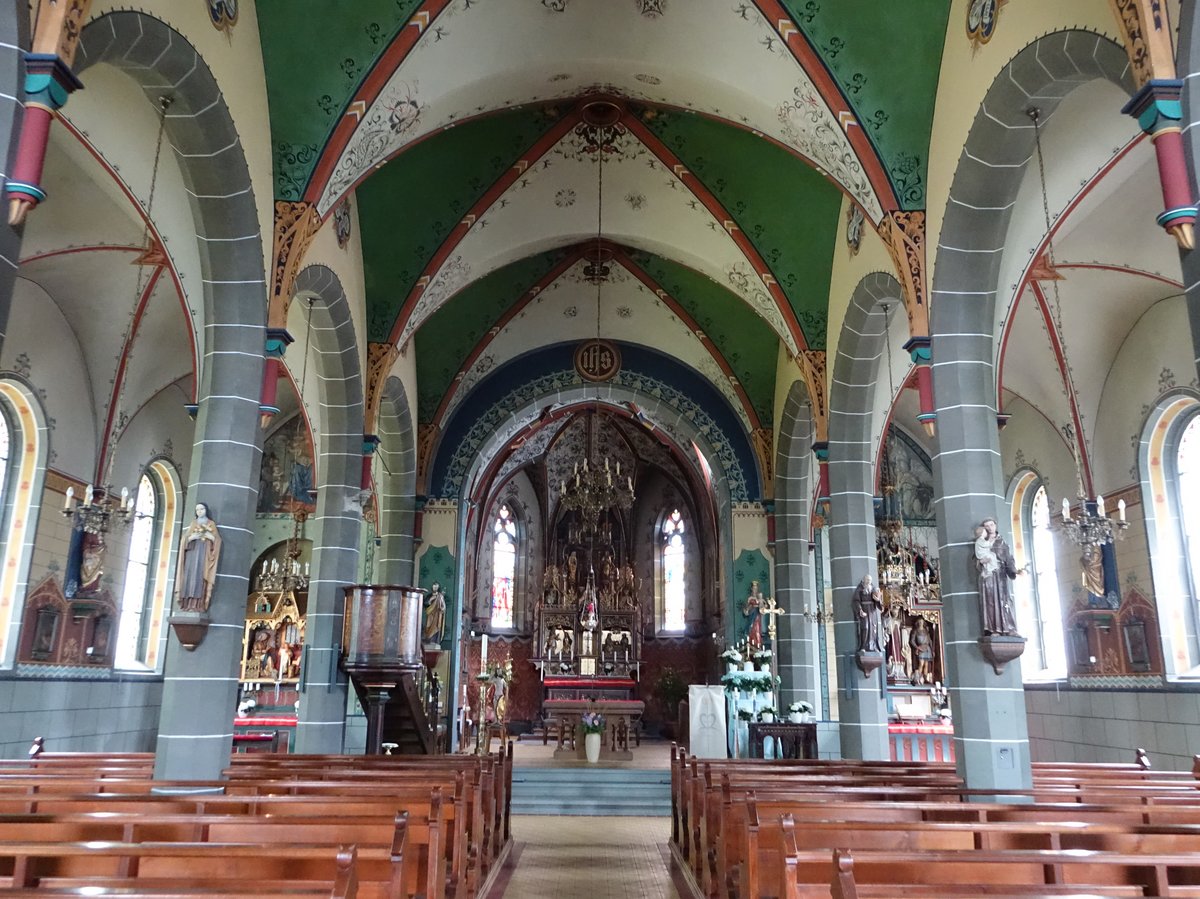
(792, 741)
(620, 718)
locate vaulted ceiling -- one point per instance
(702, 148)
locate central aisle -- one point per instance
(577, 857)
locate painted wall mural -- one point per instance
(286, 481)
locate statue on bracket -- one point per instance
(996, 569)
(868, 617)
(752, 610)
(435, 616)
(200, 550)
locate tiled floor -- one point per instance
(589, 858)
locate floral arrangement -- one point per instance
(750, 681)
(767, 710)
(593, 723)
(732, 655)
(745, 715)
(804, 708)
(761, 655)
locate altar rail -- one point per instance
(921, 742)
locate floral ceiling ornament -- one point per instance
(651, 9)
(342, 223)
(854, 228)
(223, 14)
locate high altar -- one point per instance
(588, 630)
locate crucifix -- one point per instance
(770, 610)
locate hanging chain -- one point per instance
(164, 103)
(1068, 430)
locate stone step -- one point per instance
(591, 790)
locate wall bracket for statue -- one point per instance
(190, 628)
(1000, 649)
(868, 661)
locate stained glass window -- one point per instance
(139, 581)
(674, 558)
(504, 567)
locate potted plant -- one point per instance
(762, 658)
(745, 715)
(732, 658)
(799, 712)
(670, 690)
(593, 727)
(766, 714)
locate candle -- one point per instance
(1100, 506)
(630, 480)
(124, 497)
(618, 468)
(264, 567)
(1121, 509)
(606, 463)
(87, 497)
(1066, 510)
(483, 655)
(70, 496)
(306, 564)
(608, 477)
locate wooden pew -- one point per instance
(32, 865)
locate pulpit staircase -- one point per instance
(591, 790)
(381, 653)
(404, 720)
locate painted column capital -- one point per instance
(1159, 113)
(920, 350)
(49, 81)
(277, 342)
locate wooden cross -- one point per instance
(771, 609)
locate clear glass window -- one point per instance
(1047, 602)
(1188, 470)
(139, 581)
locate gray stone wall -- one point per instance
(1107, 726)
(79, 715)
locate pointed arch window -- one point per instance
(674, 572)
(1170, 469)
(1038, 598)
(504, 567)
(137, 595)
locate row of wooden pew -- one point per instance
(746, 829)
(429, 827)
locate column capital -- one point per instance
(277, 342)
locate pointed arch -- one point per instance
(395, 486)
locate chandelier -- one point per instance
(593, 489)
(98, 508)
(1090, 524)
(288, 577)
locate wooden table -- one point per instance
(792, 741)
(620, 718)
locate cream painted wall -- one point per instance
(347, 265)
(967, 74)
(847, 272)
(236, 63)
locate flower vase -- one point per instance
(591, 747)
(731, 667)
(765, 668)
(794, 718)
(767, 718)
(748, 665)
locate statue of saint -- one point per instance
(996, 569)
(899, 651)
(922, 645)
(434, 631)
(752, 610)
(1092, 564)
(868, 613)
(200, 549)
